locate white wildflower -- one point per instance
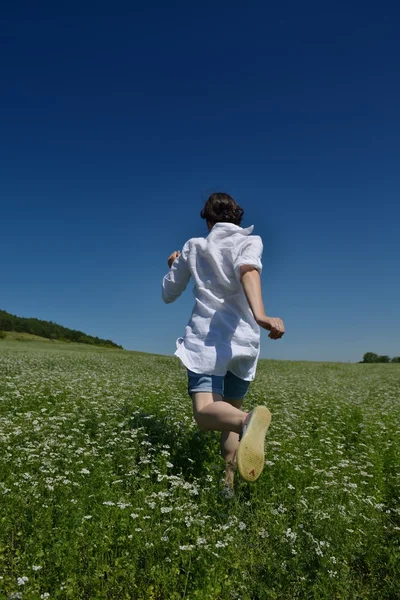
(201, 541)
(263, 533)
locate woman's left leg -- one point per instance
(213, 414)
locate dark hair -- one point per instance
(221, 208)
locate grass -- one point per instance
(20, 336)
(108, 490)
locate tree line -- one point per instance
(371, 357)
(50, 330)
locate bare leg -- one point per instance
(229, 446)
(213, 414)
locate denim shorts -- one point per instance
(230, 386)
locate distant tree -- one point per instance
(370, 357)
(383, 359)
(395, 359)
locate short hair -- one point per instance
(222, 208)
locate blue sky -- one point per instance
(119, 120)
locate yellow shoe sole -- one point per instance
(250, 454)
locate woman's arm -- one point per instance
(251, 282)
(175, 282)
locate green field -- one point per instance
(108, 490)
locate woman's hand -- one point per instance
(250, 278)
(272, 324)
(173, 257)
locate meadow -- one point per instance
(109, 491)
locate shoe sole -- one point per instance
(250, 455)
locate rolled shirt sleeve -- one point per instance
(250, 253)
(175, 282)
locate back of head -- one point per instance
(221, 208)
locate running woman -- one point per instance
(221, 344)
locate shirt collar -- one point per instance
(226, 229)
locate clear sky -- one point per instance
(117, 121)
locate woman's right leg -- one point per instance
(229, 444)
(211, 411)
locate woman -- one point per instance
(221, 345)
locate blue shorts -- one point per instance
(228, 386)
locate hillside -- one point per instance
(49, 330)
(20, 336)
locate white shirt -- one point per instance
(222, 334)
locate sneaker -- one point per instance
(250, 454)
